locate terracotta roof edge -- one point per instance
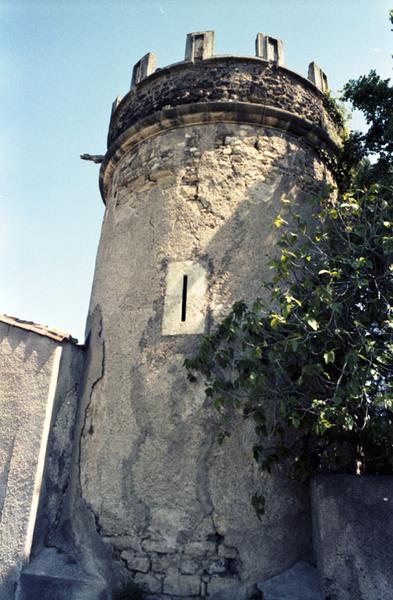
(54, 334)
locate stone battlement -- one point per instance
(200, 46)
(206, 88)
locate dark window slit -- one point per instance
(184, 298)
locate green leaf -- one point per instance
(311, 362)
(276, 320)
(329, 356)
(313, 323)
(279, 222)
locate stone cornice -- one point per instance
(211, 112)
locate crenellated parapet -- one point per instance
(318, 77)
(269, 48)
(221, 88)
(199, 45)
(143, 68)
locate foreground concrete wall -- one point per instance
(29, 367)
(353, 536)
(47, 544)
(60, 449)
(68, 560)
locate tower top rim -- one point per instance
(182, 64)
(216, 78)
(206, 88)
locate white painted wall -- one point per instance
(29, 365)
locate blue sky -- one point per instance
(64, 61)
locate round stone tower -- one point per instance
(200, 155)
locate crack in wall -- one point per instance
(98, 331)
(73, 391)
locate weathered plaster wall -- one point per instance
(68, 560)
(60, 449)
(47, 536)
(173, 504)
(28, 372)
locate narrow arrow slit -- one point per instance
(184, 298)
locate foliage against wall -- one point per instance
(312, 361)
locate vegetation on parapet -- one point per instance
(336, 110)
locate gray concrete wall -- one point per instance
(58, 469)
(29, 365)
(173, 504)
(68, 559)
(46, 543)
(353, 536)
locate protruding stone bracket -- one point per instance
(143, 68)
(95, 158)
(199, 45)
(269, 48)
(318, 77)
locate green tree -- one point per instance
(312, 361)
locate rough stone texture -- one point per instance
(353, 536)
(150, 465)
(300, 582)
(221, 79)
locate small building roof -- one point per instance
(54, 334)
